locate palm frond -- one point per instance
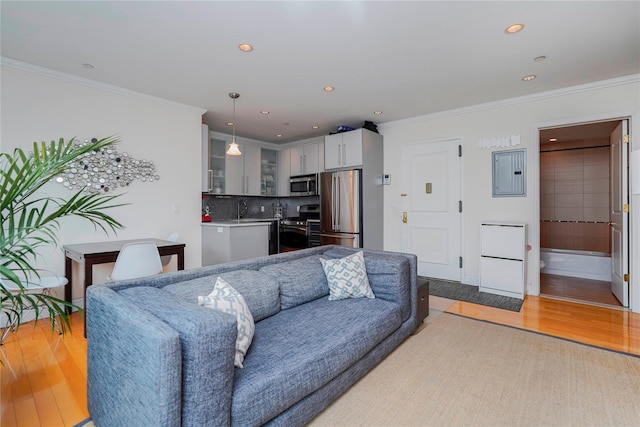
(30, 222)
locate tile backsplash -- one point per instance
(223, 207)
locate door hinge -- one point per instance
(626, 278)
(625, 139)
(460, 206)
(460, 261)
(625, 208)
(459, 150)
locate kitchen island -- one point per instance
(234, 240)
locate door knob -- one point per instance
(404, 217)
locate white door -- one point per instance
(619, 218)
(431, 198)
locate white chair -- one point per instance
(42, 285)
(173, 237)
(137, 259)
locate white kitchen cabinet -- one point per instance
(503, 259)
(306, 159)
(213, 163)
(343, 150)
(284, 171)
(243, 173)
(350, 149)
(228, 241)
(268, 172)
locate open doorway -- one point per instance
(582, 172)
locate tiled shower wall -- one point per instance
(574, 199)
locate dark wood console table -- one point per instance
(90, 254)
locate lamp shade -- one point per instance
(234, 149)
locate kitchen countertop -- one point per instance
(242, 222)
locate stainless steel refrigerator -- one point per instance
(341, 208)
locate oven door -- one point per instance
(293, 237)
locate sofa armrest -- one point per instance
(133, 361)
(206, 348)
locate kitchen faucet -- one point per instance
(242, 202)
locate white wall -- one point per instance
(522, 116)
(38, 107)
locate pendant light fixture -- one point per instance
(234, 150)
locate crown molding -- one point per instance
(602, 84)
(70, 78)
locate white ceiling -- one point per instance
(406, 59)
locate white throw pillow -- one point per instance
(225, 298)
(347, 277)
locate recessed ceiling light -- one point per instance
(229, 123)
(88, 66)
(315, 127)
(553, 139)
(265, 112)
(540, 58)
(512, 29)
(529, 77)
(245, 47)
(328, 88)
(377, 113)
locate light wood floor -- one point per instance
(43, 380)
(576, 288)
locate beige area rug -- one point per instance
(463, 372)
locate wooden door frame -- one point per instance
(634, 229)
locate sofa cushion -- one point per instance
(260, 291)
(299, 350)
(226, 299)
(300, 280)
(347, 277)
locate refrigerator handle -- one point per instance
(333, 201)
(338, 211)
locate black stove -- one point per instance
(299, 232)
(307, 212)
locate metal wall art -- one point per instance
(499, 141)
(105, 170)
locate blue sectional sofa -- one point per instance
(157, 358)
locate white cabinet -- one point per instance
(307, 159)
(268, 172)
(503, 259)
(233, 242)
(284, 171)
(343, 150)
(213, 163)
(243, 173)
(351, 149)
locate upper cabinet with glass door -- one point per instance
(213, 153)
(269, 172)
(217, 165)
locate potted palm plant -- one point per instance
(31, 220)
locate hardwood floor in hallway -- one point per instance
(576, 288)
(43, 379)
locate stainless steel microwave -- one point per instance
(303, 185)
